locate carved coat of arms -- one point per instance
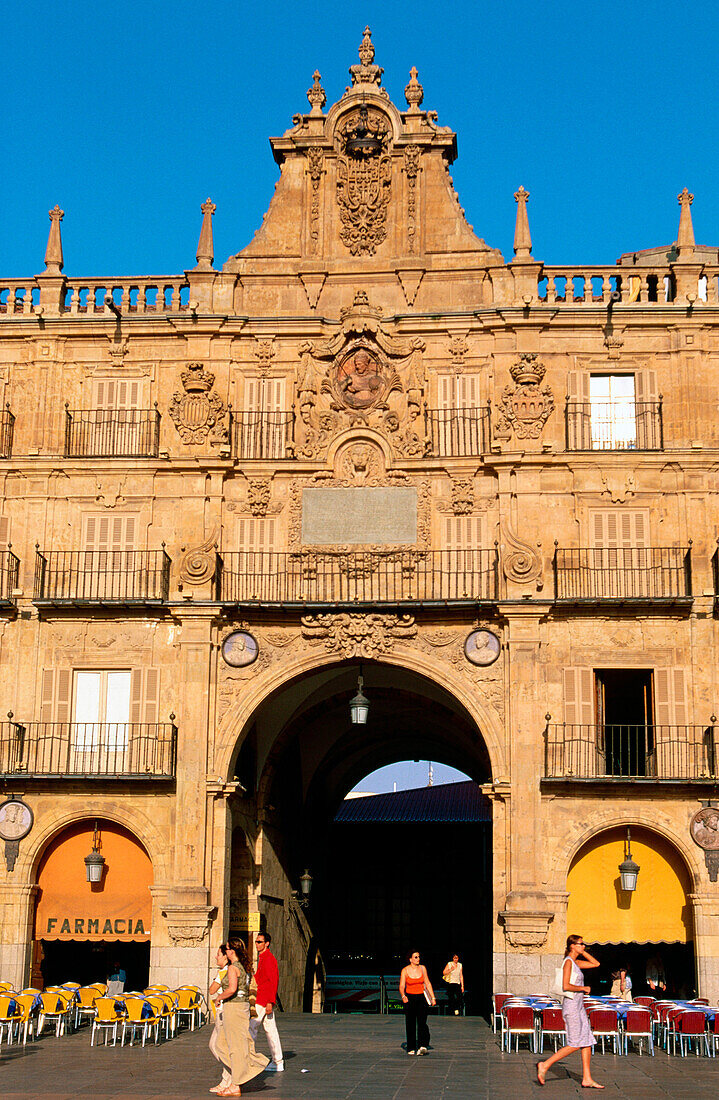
(526, 406)
(364, 175)
(198, 411)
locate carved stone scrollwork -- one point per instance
(526, 929)
(364, 179)
(462, 496)
(198, 564)
(187, 925)
(197, 412)
(525, 407)
(315, 162)
(354, 635)
(520, 561)
(411, 167)
(259, 491)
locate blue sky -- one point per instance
(408, 774)
(130, 115)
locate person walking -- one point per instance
(267, 977)
(417, 994)
(234, 1047)
(576, 1021)
(453, 975)
(215, 989)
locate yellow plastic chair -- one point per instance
(53, 1007)
(158, 989)
(100, 986)
(27, 1018)
(134, 1022)
(164, 1012)
(203, 1010)
(6, 987)
(107, 1017)
(7, 1019)
(85, 1004)
(188, 1005)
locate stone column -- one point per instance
(16, 931)
(527, 915)
(185, 905)
(706, 944)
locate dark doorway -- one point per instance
(87, 961)
(625, 710)
(675, 959)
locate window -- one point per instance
(458, 391)
(101, 699)
(264, 394)
(456, 425)
(625, 719)
(256, 534)
(613, 413)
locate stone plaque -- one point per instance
(365, 515)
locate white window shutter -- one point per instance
(252, 395)
(445, 391)
(47, 695)
(578, 696)
(151, 695)
(4, 531)
(136, 695)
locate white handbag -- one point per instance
(558, 989)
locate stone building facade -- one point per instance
(368, 445)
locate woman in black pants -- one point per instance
(417, 994)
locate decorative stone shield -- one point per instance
(197, 412)
(358, 379)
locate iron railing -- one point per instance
(102, 576)
(262, 434)
(9, 576)
(7, 427)
(358, 577)
(614, 425)
(131, 750)
(112, 433)
(630, 752)
(625, 573)
(457, 432)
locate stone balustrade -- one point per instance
(625, 285)
(163, 294)
(19, 296)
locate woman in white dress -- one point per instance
(576, 1021)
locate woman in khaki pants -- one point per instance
(234, 1047)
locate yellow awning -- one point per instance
(657, 912)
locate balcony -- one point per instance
(7, 427)
(631, 752)
(358, 578)
(9, 576)
(614, 426)
(77, 750)
(112, 433)
(641, 575)
(103, 577)
(454, 433)
(262, 434)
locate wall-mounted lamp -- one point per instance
(628, 869)
(94, 862)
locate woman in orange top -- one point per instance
(413, 985)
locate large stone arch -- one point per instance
(658, 823)
(236, 722)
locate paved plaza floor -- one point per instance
(345, 1056)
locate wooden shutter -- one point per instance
(55, 695)
(670, 705)
(144, 695)
(646, 395)
(273, 395)
(255, 533)
(615, 528)
(462, 532)
(103, 532)
(467, 391)
(252, 394)
(4, 531)
(579, 697)
(579, 425)
(445, 391)
(116, 393)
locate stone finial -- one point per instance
(366, 72)
(53, 253)
(413, 92)
(316, 94)
(522, 238)
(685, 236)
(205, 245)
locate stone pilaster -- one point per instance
(18, 912)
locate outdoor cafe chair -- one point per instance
(638, 1027)
(202, 1003)
(605, 1025)
(519, 1021)
(26, 1020)
(163, 1012)
(691, 1027)
(85, 1003)
(645, 1002)
(188, 1006)
(8, 1016)
(6, 987)
(141, 1016)
(498, 1000)
(551, 1023)
(713, 1035)
(108, 1015)
(54, 1007)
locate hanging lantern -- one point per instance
(359, 705)
(628, 869)
(305, 883)
(94, 862)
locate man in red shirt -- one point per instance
(267, 977)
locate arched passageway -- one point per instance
(648, 930)
(377, 890)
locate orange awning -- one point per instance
(117, 908)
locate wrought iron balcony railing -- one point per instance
(614, 425)
(112, 433)
(101, 576)
(454, 433)
(644, 574)
(71, 750)
(262, 434)
(9, 576)
(7, 427)
(616, 752)
(358, 577)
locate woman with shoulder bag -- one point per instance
(417, 994)
(576, 1021)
